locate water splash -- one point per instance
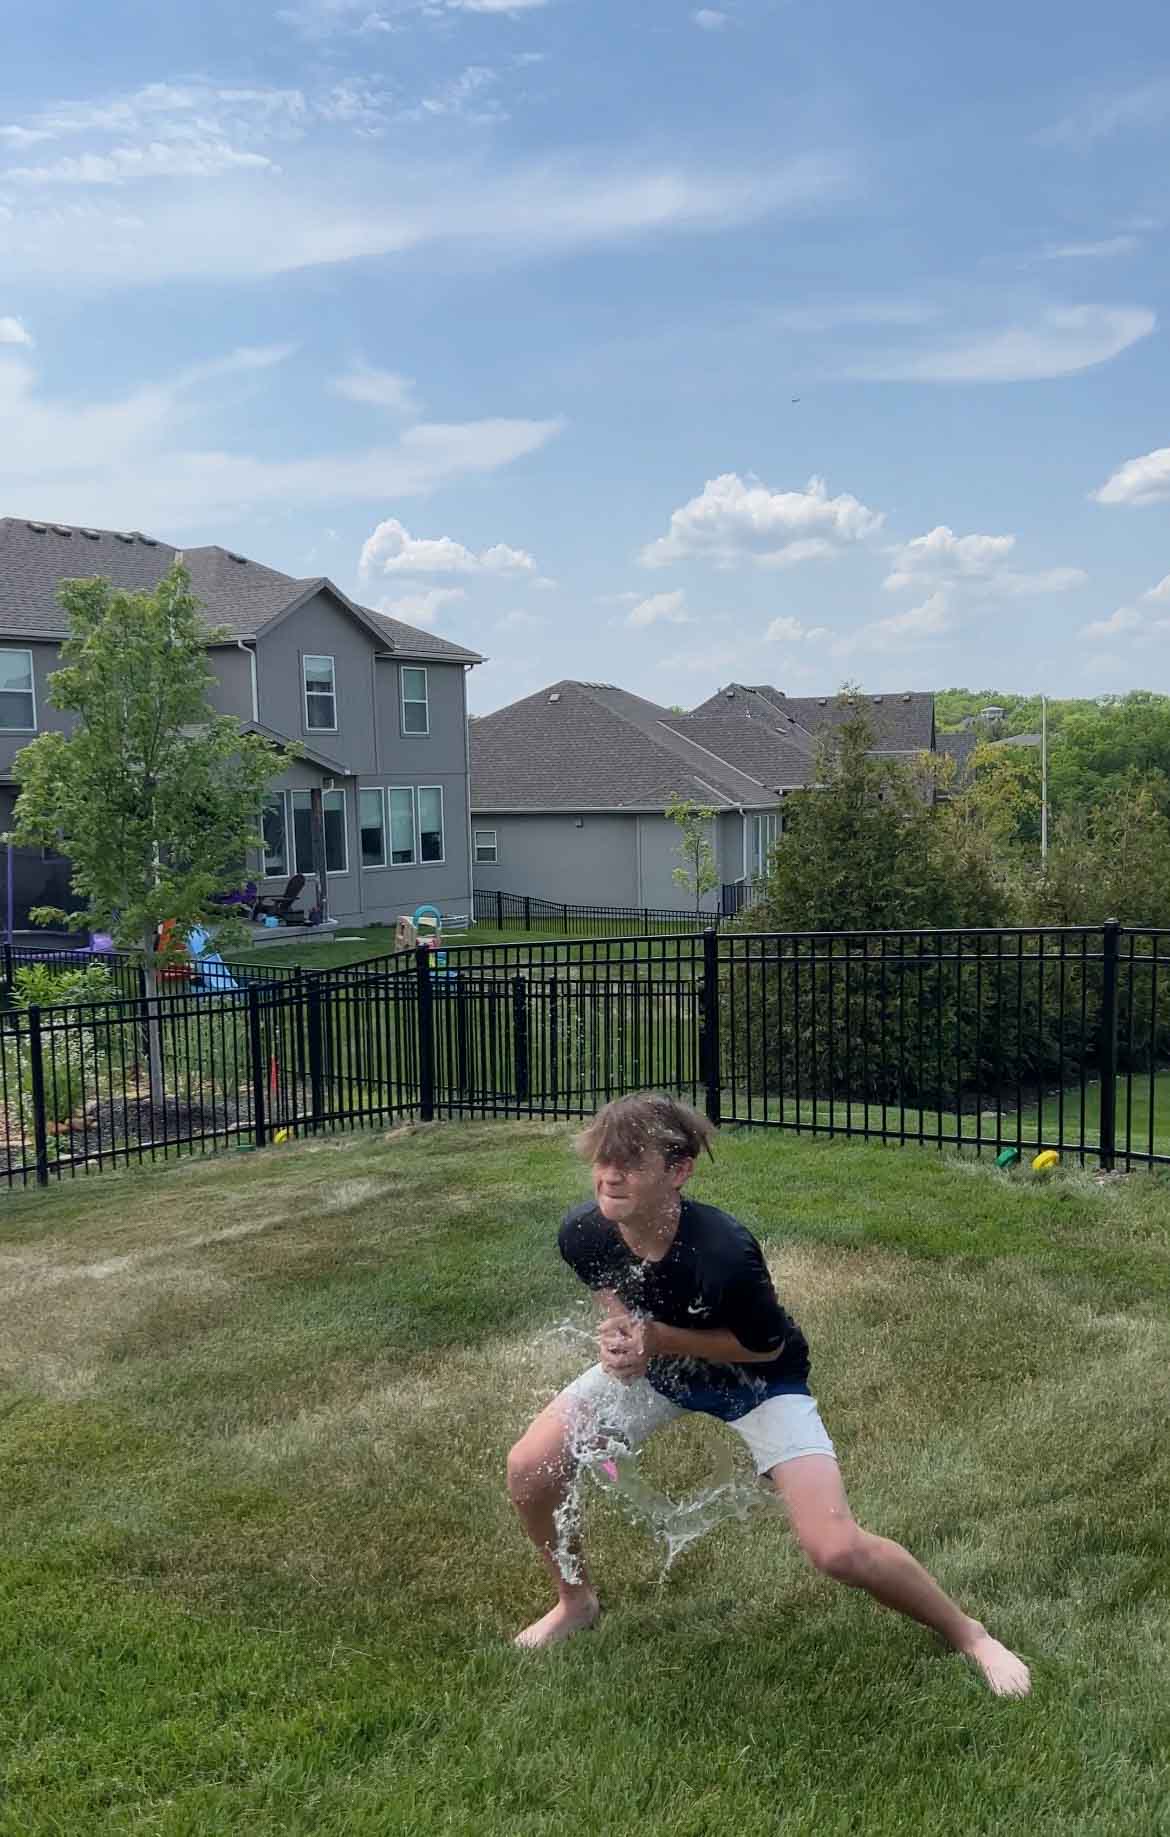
(605, 1459)
(729, 1497)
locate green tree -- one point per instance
(1103, 750)
(152, 795)
(697, 872)
(1109, 859)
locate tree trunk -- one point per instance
(154, 1038)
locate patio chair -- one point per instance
(282, 906)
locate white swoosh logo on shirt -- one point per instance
(701, 1309)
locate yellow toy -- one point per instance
(1044, 1162)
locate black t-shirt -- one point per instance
(713, 1275)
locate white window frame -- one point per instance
(378, 791)
(331, 873)
(767, 828)
(486, 860)
(19, 650)
(442, 856)
(408, 790)
(308, 657)
(281, 873)
(414, 733)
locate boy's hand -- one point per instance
(624, 1344)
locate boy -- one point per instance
(690, 1321)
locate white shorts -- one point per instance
(780, 1429)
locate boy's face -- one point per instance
(643, 1188)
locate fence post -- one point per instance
(8, 969)
(710, 1042)
(426, 1035)
(316, 1057)
(1111, 935)
(520, 1037)
(37, 1065)
(256, 1050)
(527, 913)
(499, 911)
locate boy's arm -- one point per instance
(713, 1343)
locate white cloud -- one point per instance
(660, 608)
(464, 98)
(328, 205)
(1089, 251)
(520, 620)
(934, 618)
(494, 6)
(378, 389)
(791, 631)
(196, 159)
(1126, 618)
(1139, 481)
(1160, 592)
(544, 583)
(709, 19)
(1145, 105)
(14, 331)
(391, 549)
(1062, 341)
(976, 563)
(940, 551)
(810, 548)
(130, 462)
(736, 519)
(420, 608)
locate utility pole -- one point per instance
(1043, 779)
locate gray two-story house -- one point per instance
(377, 708)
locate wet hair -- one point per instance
(622, 1132)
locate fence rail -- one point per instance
(504, 909)
(980, 1041)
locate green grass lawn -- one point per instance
(1140, 1103)
(374, 940)
(258, 1573)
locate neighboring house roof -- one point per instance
(902, 723)
(590, 746)
(958, 747)
(332, 768)
(242, 595)
(780, 760)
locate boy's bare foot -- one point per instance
(1005, 1674)
(565, 1619)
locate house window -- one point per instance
(274, 827)
(18, 704)
(765, 835)
(401, 828)
(430, 822)
(372, 826)
(415, 713)
(485, 845)
(320, 695)
(336, 847)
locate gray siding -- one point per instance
(586, 860)
(231, 692)
(320, 628)
(45, 659)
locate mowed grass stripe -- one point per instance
(258, 1571)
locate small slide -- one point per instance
(213, 972)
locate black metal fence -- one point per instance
(534, 914)
(984, 1041)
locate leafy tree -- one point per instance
(697, 872)
(1110, 859)
(152, 795)
(1104, 750)
(1004, 793)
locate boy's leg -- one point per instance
(814, 1497)
(542, 1467)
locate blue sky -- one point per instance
(644, 342)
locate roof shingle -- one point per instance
(234, 592)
